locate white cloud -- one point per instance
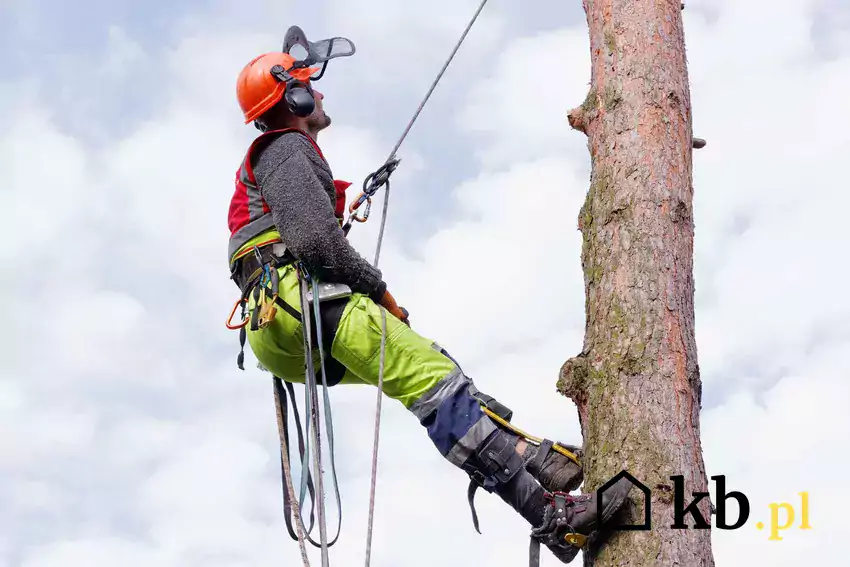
(95, 552)
(40, 220)
(134, 440)
(402, 46)
(776, 447)
(519, 111)
(480, 267)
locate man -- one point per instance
(286, 197)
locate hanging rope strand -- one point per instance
(391, 167)
(329, 430)
(287, 472)
(376, 436)
(312, 417)
(383, 223)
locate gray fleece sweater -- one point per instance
(297, 184)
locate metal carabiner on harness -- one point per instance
(268, 310)
(229, 323)
(352, 208)
(265, 297)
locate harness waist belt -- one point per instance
(247, 270)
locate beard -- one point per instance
(319, 121)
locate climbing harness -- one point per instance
(262, 284)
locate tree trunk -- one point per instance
(636, 382)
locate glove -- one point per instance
(400, 313)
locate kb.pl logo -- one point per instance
(782, 514)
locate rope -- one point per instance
(310, 395)
(376, 436)
(389, 166)
(381, 177)
(311, 419)
(327, 406)
(380, 394)
(437, 80)
(280, 400)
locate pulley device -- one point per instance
(300, 99)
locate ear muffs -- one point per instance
(299, 99)
(298, 95)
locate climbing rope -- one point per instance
(374, 181)
(327, 406)
(371, 185)
(312, 415)
(312, 423)
(289, 490)
(376, 437)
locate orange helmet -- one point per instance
(257, 89)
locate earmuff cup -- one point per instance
(299, 100)
(297, 95)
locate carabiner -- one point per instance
(356, 205)
(232, 313)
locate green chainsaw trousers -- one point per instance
(417, 372)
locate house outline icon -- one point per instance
(647, 502)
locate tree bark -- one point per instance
(636, 382)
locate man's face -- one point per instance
(318, 120)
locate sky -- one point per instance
(127, 434)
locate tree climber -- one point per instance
(287, 210)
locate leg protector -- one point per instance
(497, 467)
(496, 462)
(555, 465)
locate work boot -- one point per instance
(532, 502)
(497, 467)
(553, 470)
(561, 522)
(568, 521)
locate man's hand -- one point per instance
(400, 313)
